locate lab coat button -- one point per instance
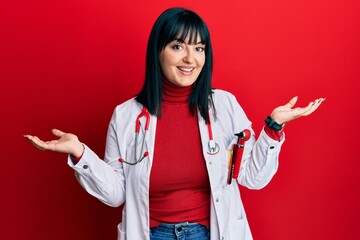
(217, 200)
(85, 167)
(272, 147)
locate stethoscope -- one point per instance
(213, 147)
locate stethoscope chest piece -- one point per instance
(213, 147)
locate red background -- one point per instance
(67, 64)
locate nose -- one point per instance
(189, 56)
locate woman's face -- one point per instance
(181, 63)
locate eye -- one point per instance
(177, 47)
(200, 49)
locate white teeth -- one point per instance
(186, 69)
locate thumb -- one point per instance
(57, 132)
(292, 102)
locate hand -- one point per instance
(67, 143)
(287, 113)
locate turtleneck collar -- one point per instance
(175, 94)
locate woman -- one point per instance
(172, 172)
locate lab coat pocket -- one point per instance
(237, 229)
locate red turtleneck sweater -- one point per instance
(179, 183)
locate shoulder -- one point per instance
(128, 105)
(223, 97)
(226, 102)
(127, 109)
(228, 110)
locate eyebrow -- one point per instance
(180, 40)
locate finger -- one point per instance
(316, 104)
(312, 106)
(57, 132)
(321, 100)
(28, 137)
(38, 143)
(34, 141)
(292, 102)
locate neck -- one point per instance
(175, 94)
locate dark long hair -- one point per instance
(177, 23)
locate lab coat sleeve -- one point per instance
(103, 179)
(260, 162)
(261, 157)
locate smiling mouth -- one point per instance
(187, 70)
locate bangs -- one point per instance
(182, 26)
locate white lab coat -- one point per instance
(115, 183)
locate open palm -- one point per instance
(67, 143)
(286, 113)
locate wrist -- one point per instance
(271, 123)
(78, 150)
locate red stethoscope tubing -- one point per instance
(143, 154)
(210, 130)
(213, 146)
(146, 114)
